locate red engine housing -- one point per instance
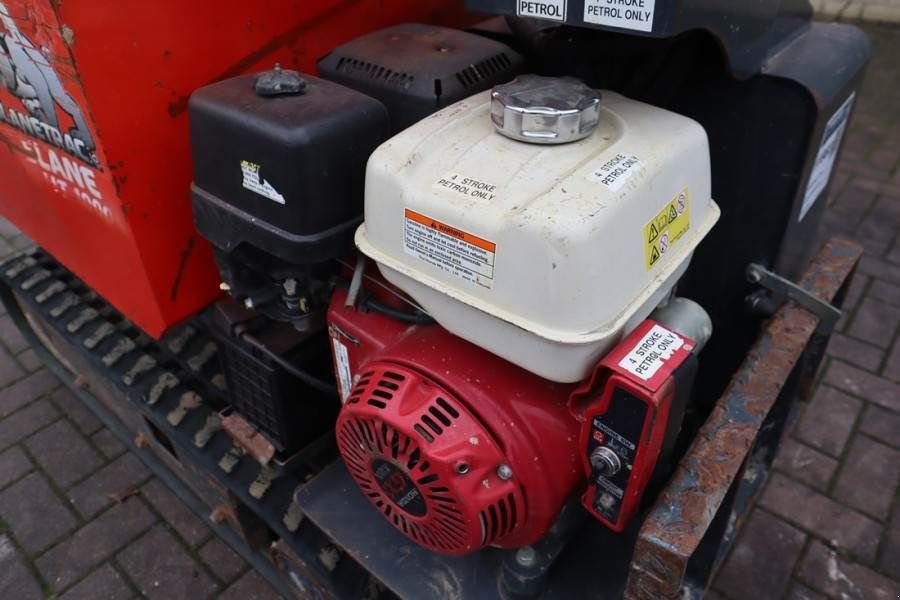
(458, 448)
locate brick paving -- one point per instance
(827, 524)
(62, 535)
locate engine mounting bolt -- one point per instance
(224, 287)
(248, 302)
(526, 557)
(462, 468)
(504, 472)
(753, 275)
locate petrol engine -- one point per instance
(467, 273)
(543, 226)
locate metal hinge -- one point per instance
(828, 314)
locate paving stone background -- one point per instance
(827, 524)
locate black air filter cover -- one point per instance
(417, 69)
(283, 173)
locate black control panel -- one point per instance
(618, 431)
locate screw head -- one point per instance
(504, 472)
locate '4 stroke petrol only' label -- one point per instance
(625, 14)
(651, 352)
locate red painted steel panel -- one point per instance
(94, 161)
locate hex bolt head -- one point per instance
(504, 472)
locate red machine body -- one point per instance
(458, 448)
(624, 409)
(94, 157)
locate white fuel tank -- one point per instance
(545, 255)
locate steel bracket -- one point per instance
(784, 288)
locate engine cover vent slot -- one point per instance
(373, 71)
(484, 70)
(416, 69)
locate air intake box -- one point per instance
(288, 411)
(416, 69)
(282, 171)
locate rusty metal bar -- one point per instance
(684, 511)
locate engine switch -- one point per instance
(605, 462)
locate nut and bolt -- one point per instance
(504, 472)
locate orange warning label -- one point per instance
(453, 231)
(449, 249)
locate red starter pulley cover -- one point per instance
(426, 462)
(456, 447)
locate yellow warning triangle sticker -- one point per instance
(654, 256)
(673, 214)
(654, 233)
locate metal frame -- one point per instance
(684, 512)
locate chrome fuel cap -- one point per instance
(545, 110)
